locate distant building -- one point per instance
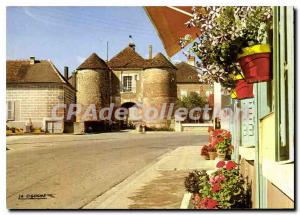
(33, 87)
(187, 80)
(127, 80)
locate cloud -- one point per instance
(40, 17)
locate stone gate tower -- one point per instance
(159, 88)
(92, 85)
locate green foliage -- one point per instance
(224, 32)
(191, 101)
(225, 188)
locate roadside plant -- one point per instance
(224, 31)
(193, 181)
(223, 189)
(211, 148)
(204, 150)
(221, 140)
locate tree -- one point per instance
(191, 101)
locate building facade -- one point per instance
(33, 88)
(264, 138)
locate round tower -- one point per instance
(159, 91)
(92, 84)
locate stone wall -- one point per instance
(92, 88)
(159, 87)
(35, 102)
(120, 97)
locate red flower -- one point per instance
(220, 139)
(215, 188)
(230, 165)
(218, 132)
(208, 203)
(211, 203)
(221, 177)
(214, 141)
(220, 164)
(228, 135)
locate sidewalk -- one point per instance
(158, 186)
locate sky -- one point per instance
(68, 35)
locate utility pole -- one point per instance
(109, 76)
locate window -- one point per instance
(183, 93)
(127, 83)
(283, 51)
(10, 111)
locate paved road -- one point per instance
(78, 169)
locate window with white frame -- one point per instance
(10, 111)
(127, 83)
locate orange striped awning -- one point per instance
(170, 25)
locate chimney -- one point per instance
(132, 45)
(191, 60)
(32, 60)
(150, 51)
(66, 72)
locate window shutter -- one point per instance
(10, 110)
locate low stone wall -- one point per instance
(192, 127)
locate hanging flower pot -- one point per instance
(233, 94)
(255, 63)
(244, 90)
(238, 77)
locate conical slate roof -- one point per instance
(93, 62)
(159, 61)
(127, 58)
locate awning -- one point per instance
(170, 25)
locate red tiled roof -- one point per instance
(186, 73)
(21, 71)
(159, 61)
(93, 62)
(127, 58)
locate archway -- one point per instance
(131, 116)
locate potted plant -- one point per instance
(223, 189)
(204, 152)
(226, 42)
(212, 152)
(255, 63)
(243, 89)
(221, 141)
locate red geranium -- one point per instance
(215, 188)
(228, 135)
(220, 139)
(218, 132)
(230, 165)
(214, 141)
(210, 203)
(220, 164)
